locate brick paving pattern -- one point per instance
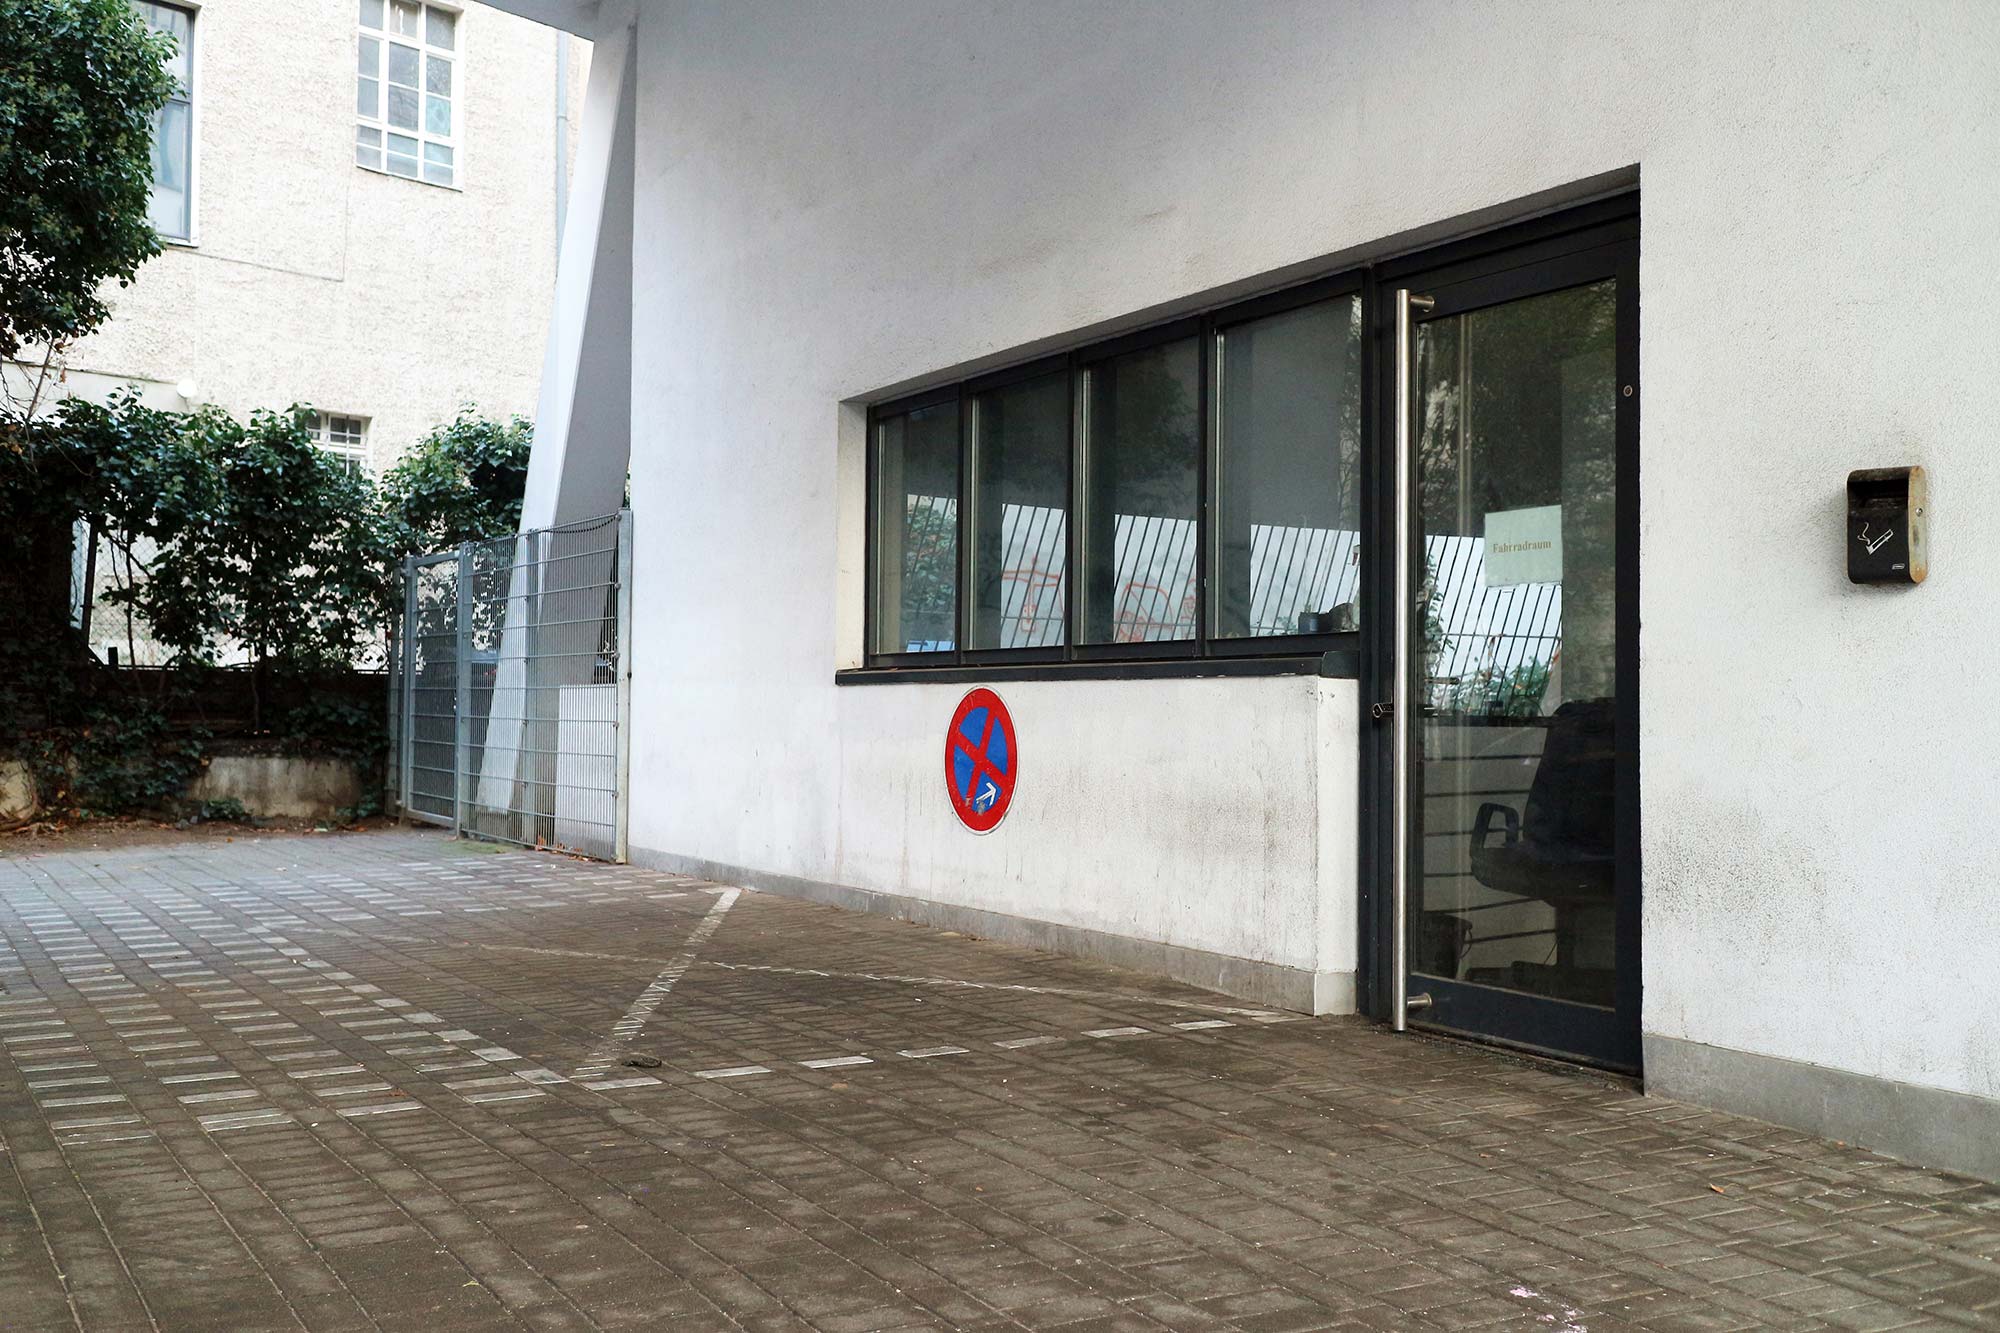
(389, 1081)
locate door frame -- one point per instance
(1560, 240)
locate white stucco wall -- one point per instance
(313, 280)
(839, 199)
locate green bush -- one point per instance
(229, 536)
(461, 483)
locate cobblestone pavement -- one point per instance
(386, 1081)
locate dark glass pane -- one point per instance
(1020, 521)
(1287, 472)
(916, 531)
(1517, 472)
(1141, 495)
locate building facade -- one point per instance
(1391, 463)
(359, 206)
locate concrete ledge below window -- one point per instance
(1340, 664)
(1932, 1127)
(1271, 984)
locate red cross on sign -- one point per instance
(980, 761)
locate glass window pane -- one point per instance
(437, 152)
(367, 157)
(1141, 466)
(179, 25)
(437, 116)
(402, 107)
(368, 57)
(402, 155)
(1517, 486)
(916, 531)
(371, 13)
(403, 16)
(403, 65)
(440, 27)
(1020, 513)
(167, 209)
(1287, 473)
(365, 136)
(437, 76)
(436, 174)
(368, 98)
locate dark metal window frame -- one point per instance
(1205, 653)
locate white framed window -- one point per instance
(345, 437)
(171, 207)
(406, 90)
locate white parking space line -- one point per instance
(383, 1108)
(635, 1017)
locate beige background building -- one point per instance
(308, 269)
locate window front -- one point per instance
(1288, 472)
(346, 438)
(1142, 494)
(171, 206)
(1186, 492)
(405, 83)
(915, 538)
(1019, 434)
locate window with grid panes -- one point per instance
(346, 438)
(405, 83)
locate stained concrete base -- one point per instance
(17, 792)
(1930, 1126)
(1291, 988)
(279, 786)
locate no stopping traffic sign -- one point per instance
(980, 760)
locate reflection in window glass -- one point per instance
(1020, 501)
(439, 27)
(1517, 469)
(1517, 477)
(916, 531)
(1287, 472)
(170, 207)
(1141, 475)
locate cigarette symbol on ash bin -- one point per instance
(1873, 544)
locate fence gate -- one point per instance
(510, 691)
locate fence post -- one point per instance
(623, 798)
(461, 703)
(537, 756)
(406, 664)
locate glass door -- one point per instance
(1519, 800)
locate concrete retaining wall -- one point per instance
(279, 786)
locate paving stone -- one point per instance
(378, 1081)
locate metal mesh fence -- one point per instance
(510, 687)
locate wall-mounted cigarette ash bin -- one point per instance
(1888, 532)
